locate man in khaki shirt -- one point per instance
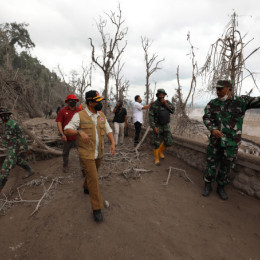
(90, 126)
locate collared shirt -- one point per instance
(137, 112)
(64, 116)
(75, 123)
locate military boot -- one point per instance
(98, 217)
(207, 189)
(162, 148)
(156, 157)
(29, 170)
(221, 192)
(2, 183)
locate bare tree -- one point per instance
(181, 102)
(84, 81)
(120, 84)
(181, 119)
(111, 50)
(151, 65)
(225, 59)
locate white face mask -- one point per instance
(223, 98)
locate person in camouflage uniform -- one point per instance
(223, 117)
(12, 139)
(159, 119)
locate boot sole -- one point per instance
(206, 195)
(226, 198)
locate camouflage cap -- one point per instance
(224, 83)
(4, 110)
(161, 90)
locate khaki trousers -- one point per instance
(91, 182)
(119, 131)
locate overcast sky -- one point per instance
(60, 30)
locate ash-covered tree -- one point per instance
(111, 48)
(152, 64)
(226, 60)
(121, 84)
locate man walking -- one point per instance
(63, 118)
(159, 118)
(138, 117)
(13, 140)
(90, 126)
(223, 117)
(120, 121)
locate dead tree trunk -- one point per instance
(111, 51)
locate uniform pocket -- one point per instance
(102, 129)
(87, 128)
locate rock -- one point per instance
(248, 190)
(106, 204)
(237, 184)
(255, 183)
(243, 187)
(242, 178)
(257, 194)
(249, 172)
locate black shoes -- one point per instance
(97, 215)
(86, 191)
(207, 189)
(221, 192)
(2, 183)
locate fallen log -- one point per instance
(40, 150)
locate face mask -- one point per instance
(160, 98)
(223, 98)
(140, 101)
(98, 107)
(73, 103)
(5, 118)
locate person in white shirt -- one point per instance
(138, 117)
(90, 126)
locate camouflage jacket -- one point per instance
(11, 134)
(154, 112)
(227, 117)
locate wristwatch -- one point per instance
(61, 134)
(79, 131)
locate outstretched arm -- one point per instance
(252, 102)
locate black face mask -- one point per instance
(73, 103)
(5, 117)
(98, 107)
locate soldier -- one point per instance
(224, 119)
(12, 139)
(159, 118)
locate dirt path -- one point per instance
(145, 220)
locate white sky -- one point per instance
(60, 30)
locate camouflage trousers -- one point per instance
(164, 135)
(12, 158)
(225, 158)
